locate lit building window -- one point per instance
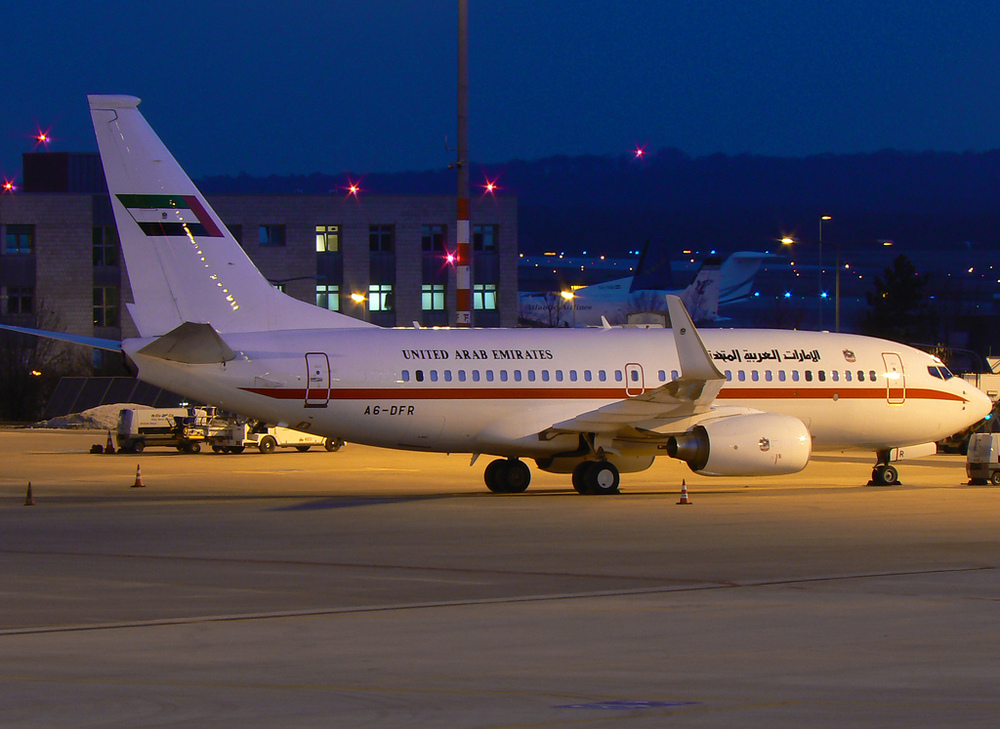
(380, 297)
(327, 238)
(328, 296)
(105, 306)
(484, 296)
(432, 297)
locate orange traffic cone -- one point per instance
(684, 493)
(110, 447)
(28, 499)
(138, 478)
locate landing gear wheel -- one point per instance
(580, 477)
(885, 475)
(507, 476)
(602, 478)
(493, 475)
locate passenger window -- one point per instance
(768, 375)
(741, 376)
(781, 375)
(835, 375)
(545, 375)
(434, 375)
(559, 375)
(795, 375)
(503, 375)
(662, 376)
(602, 375)
(755, 375)
(572, 375)
(517, 375)
(729, 375)
(531, 375)
(674, 374)
(873, 376)
(634, 375)
(588, 375)
(489, 375)
(475, 375)
(447, 375)
(847, 376)
(809, 375)
(461, 375)
(405, 375)
(618, 376)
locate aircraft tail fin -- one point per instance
(737, 275)
(183, 263)
(701, 297)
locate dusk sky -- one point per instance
(299, 87)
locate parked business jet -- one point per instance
(588, 402)
(717, 283)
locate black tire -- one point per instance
(267, 444)
(602, 478)
(885, 475)
(218, 449)
(516, 477)
(333, 444)
(995, 478)
(580, 477)
(494, 475)
(136, 446)
(192, 448)
(302, 448)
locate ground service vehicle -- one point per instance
(983, 462)
(266, 438)
(183, 428)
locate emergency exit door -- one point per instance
(895, 378)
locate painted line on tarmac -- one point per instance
(369, 609)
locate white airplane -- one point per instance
(590, 402)
(615, 300)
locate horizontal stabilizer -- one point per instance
(111, 345)
(190, 343)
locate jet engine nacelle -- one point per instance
(566, 464)
(760, 444)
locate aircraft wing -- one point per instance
(691, 394)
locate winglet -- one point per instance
(695, 361)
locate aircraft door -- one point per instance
(634, 381)
(895, 378)
(317, 380)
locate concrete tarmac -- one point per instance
(370, 588)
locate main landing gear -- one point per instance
(507, 476)
(596, 477)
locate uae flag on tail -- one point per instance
(170, 215)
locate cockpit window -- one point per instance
(941, 372)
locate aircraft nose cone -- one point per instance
(980, 404)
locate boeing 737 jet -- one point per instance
(588, 402)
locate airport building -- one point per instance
(382, 258)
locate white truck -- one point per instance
(983, 462)
(182, 428)
(266, 438)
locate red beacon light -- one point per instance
(8, 186)
(490, 187)
(639, 152)
(451, 258)
(353, 188)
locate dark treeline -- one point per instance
(613, 203)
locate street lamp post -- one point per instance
(821, 220)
